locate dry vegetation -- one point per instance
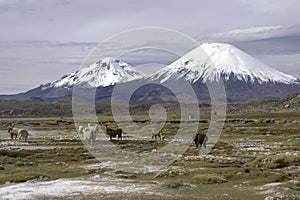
(254, 151)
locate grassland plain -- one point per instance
(256, 157)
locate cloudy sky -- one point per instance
(41, 40)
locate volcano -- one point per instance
(244, 77)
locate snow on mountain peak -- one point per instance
(213, 61)
(104, 72)
(208, 62)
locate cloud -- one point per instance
(5, 69)
(270, 5)
(44, 44)
(16, 3)
(26, 3)
(271, 46)
(255, 33)
(286, 63)
(49, 37)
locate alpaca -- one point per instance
(113, 132)
(200, 139)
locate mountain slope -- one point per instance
(243, 76)
(103, 73)
(216, 61)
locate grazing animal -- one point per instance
(88, 136)
(94, 130)
(200, 139)
(158, 135)
(89, 133)
(113, 132)
(23, 134)
(13, 132)
(80, 130)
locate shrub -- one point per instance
(19, 163)
(277, 161)
(19, 177)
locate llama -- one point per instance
(158, 135)
(94, 130)
(80, 130)
(113, 132)
(23, 134)
(200, 139)
(13, 132)
(88, 136)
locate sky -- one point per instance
(42, 40)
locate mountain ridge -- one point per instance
(243, 76)
(216, 61)
(104, 72)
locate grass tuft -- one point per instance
(277, 161)
(208, 179)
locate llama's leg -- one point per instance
(196, 144)
(205, 141)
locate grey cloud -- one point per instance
(13, 4)
(44, 44)
(255, 33)
(277, 45)
(5, 69)
(49, 37)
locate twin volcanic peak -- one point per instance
(103, 73)
(208, 62)
(244, 76)
(217, 61)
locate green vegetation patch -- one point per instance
(277, 161)
(20, 176)
(208, 179)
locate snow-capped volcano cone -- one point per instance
(217, 61)
(104, 72)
